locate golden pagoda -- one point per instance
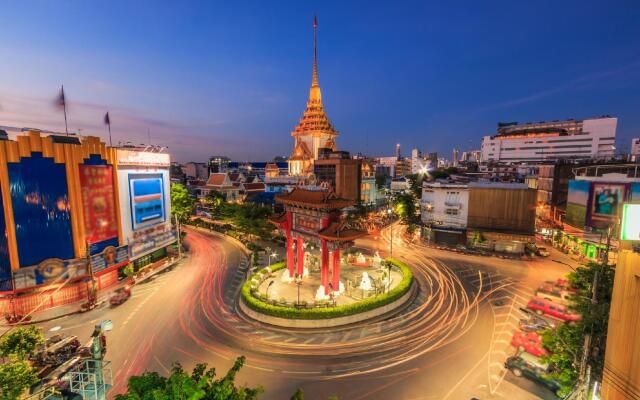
(314, 131)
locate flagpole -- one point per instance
(64, 106)
(110, 144)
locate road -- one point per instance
(440, 347)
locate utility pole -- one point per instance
(178, 235)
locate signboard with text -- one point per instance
(109, 257)
(149, 239)
(630, 229)
(52, 270)
(96, 182)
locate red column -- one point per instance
(300, 257)
(336, 269)
(290, 260)
(325, 267)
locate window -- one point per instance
(451, 211)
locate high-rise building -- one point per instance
(635, 149)
(541, 141)
(314, 131)
(455, 157)
(398, 151)
(218, 164)
(338, 171)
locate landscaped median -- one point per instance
(321, 310)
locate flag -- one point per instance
(60, 101)
(107, 121)
(315, 22)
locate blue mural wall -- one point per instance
(40, 200)
(5, 264)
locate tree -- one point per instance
(181, 202)
(15, 378)
(200, 384)
(298, 395)
(415, 183)
(566, 342)
(19, 343)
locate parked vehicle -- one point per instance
(535, 324)
(542, 251)
(554, 293)
(120, 296)
(532, 368)
(56, 350)
(531, 342)
(542, 306)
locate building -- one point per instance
(621, 378)
(398, 156)
(218, 164)
(74, 212)
(314, 131)
(338, 171)
(386, 166)
(196, 170)
(403, 167)
(494, 216)
(370, 195)
(541, 141)
(635, 150)
(445, 208)
(455, 157)
(400, 184)
(416, 161)
(223, 184)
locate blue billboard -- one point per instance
(39, 195)
(147, 200)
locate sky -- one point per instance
(232, 77)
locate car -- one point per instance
(542, 251)
(535, 324)
(531, 367)
(120, 296)
(554, 293)
(542, 306)
(531, 342)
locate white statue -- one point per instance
(365, 282)
(361, 259)
(377, 260)
(320, 294)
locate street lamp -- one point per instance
(390, 211)
(298, 281)
(564, 263)
(268, 286)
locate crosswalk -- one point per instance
(507, 299)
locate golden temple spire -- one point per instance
(314, 93)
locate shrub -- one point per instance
(329, 312)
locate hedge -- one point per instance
(328, 312)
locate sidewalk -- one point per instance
(103, 296)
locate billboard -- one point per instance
(630, 229)
(145, 241)
(96, 183)
(607, 200)
(40, 200)
(109, 257)
(634, 195)
(52, 270)
(577, 201)
(147, 200)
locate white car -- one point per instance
(543, 252)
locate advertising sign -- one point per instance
(96, 182)
(577, 201)
(630, 222)
(143, 158)
(607, 198)
(147, 200)
(52, 270)
(149, 239)
(109, 257)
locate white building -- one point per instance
(445, 205)
(579, 139)
(635, 149)
(416, 161)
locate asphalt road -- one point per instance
(438, 348)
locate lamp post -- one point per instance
(390, 211)
(298, 281)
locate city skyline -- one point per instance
(213, 80)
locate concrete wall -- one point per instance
(502, 209)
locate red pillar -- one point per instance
(325, 267)
(336, 269)
(290, 260)
(300, 258)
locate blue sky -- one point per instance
(232, 78)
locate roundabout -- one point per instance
(383, 288)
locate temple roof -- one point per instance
(340, 231)
(314, 120)
(313, 199)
